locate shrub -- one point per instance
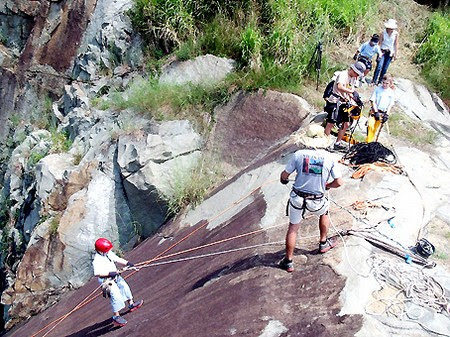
(60, 141)
(434, 53)
(191, 186)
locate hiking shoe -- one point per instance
(325, 247)
(119, 320)
(287, 265)
(339, 147)
(136, 305)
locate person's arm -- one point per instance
(338, 182)
(396, 47)
(379, 53)
(284, 177)
(373, 99)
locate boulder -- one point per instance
(206, 69)
(151, 164)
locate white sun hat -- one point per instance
(391, 24)
(313, 136)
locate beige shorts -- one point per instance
(297, 212)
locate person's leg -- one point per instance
(341, 131)
(386, 63)
(291, 238)
(324, 223)
(378, 69)
(328, 128)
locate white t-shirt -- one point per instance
(383, 98)
(344, 78)
(104, 264)
(389, 41)
(314, 169)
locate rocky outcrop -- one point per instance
(150, 164)
(206, 69)
(113, 182)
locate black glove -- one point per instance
(377, 116)
(113, 274)
(355, 56)
(284, 182)
(129, 264)
(385, 118)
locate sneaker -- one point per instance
(339, 146)
(136, 305)
(119, 320)
(287, 265)
(325, 247)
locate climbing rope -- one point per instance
(363, 153)
(414, 284)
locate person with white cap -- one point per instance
(389, 48)
(316, 172)
(343, 92)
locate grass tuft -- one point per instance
(400, 126)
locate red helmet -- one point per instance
(103, 245)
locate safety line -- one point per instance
(212, 254)
(142, 264)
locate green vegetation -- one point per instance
(272, 39)
(35, 157)
(41, 115)
(60, 141)
(434, 53)
(191, 186)
(54, 224)
(441, 255)
(400, 126)
(147, 96)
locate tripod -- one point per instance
(316, 60)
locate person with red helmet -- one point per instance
(113, 285)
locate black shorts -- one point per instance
(342, 116)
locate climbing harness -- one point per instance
(306, 203)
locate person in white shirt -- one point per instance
(389, 48)
(113, 285)
(343, 92)
(382, 100)
(316, 171)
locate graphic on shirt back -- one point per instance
(312, 165)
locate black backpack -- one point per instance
(328, 90)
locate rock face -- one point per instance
(117, 188)
(150, 163)
(252, 123)
(241, 292)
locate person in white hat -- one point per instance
(389, 48)
(316, 171)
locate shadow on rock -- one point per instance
(97, 329)
(265, 260)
